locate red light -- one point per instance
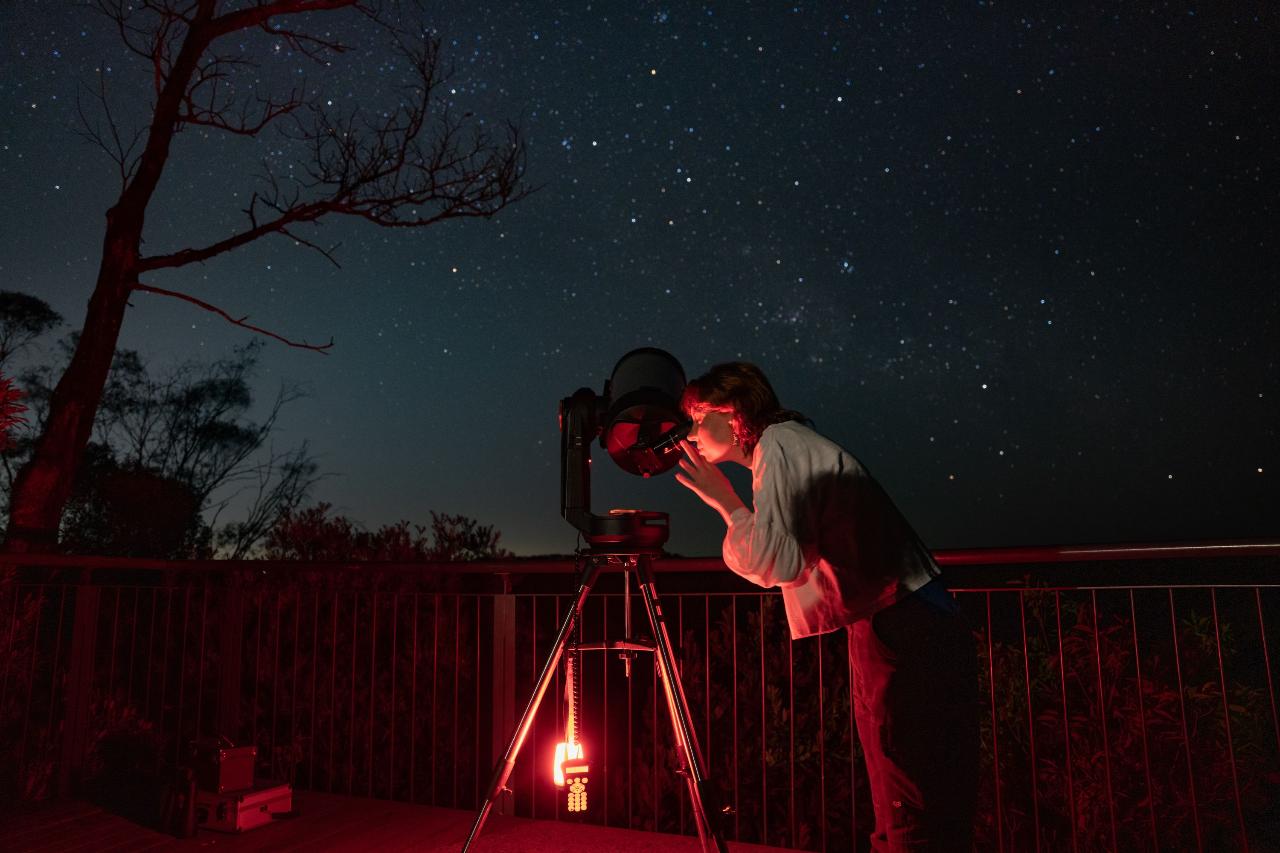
(565, 752)
(570, 769)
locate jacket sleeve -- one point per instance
(763, 546)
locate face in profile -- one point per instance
(712, 433)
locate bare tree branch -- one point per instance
(312, 47)
(280, 485)
(210, 100)
(327, 253)
(110, 140)
(262, 11)
(415, 167)
(238, 322)
(409, 165)
(300, 213)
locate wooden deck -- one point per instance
(333, 822)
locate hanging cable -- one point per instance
(570, 768)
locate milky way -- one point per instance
(1023, 267)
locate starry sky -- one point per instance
(1023, 266)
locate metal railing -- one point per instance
(1131, 692)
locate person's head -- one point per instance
(731, 405)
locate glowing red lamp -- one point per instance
(570, 769)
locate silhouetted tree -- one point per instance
(312, 534)
(409, 166)
(23, 318)
(132, 512)
(459, 538)
(181, 439)
(279, 485)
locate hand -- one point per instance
(707, 482)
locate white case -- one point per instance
(241, 810)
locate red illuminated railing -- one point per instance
(1131, 692)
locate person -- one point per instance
(825, 531)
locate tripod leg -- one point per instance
(502, 772)
(678, 706)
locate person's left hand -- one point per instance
(708, 482)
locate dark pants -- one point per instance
(916, 708)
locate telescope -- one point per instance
(638, 421)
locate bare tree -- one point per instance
(411, 166)
(277, 487)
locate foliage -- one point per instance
(312, 534)
(23, 319)
(172, 449)
(11, 409)
(132, 512)
(768, 695)
(28, 739)
(1097, 727)
(122, 741)
(456, 538)
(187, 423)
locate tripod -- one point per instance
(686, 741)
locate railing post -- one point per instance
(504, 676)
(230, 651)
(79, 692)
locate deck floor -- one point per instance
(339, 823)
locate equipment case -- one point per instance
(242, 810)
(222, 767)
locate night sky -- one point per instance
(1023, 267)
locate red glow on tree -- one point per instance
(11, 410)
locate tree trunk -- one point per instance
(44, 484)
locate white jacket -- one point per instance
(824, 531)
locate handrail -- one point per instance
(1086, 553)
(670, 564)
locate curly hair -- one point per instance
(740, 388)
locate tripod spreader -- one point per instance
(618, 646)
